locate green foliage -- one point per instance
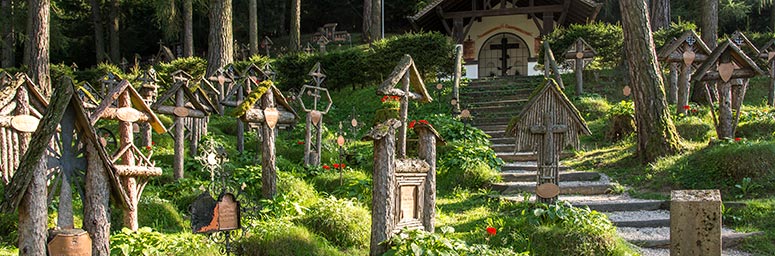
(9, 228)
(675, 30)
(194, 66)
(252, 98)
(343, 222)
(148, 242)
(293, 199)
(467, 166)
(257, 60)
(559, 241)
(161, 215)
(453, 130)
(756, 123)
(281, 238)
(292, 69)
(621, 121)
(354, 184)
(693, 128)
(592, 106)
(431, 52)
(606, 38)
(419, 242)
(758, 215)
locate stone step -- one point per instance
(640, 219)
(499, 106)
(566, 188)
(666, 252)
(527, 176)
(659, 237)
(485, 120)
(608, 202)
(511, 156)
(532, 166)
(505, 148)
(502, 140)
(473, 99)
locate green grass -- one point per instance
(759, 215)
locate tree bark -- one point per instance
(9, 38)
(384, 180)
(253, 17)
(220, 49)
(188, 28)
(709, 23)
(99, 36)
(672, 92)
(268, 169)
(180, 136)
(656, 133)
(366, 27)
(660, 14)
(725, 117)
(115, 11)
(376, 20)
(126, 137)
(96, 207)
(283, 12)
(33, 214)
(36, 56)
(427, 152)
(295, 44)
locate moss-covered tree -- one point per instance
(656, 133)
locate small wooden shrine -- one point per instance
(689, 51)
(21, 107)
(580, 54)
(412, 88)
(730, 63)
(548, 124)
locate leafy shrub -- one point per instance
(292, 69)
(148, 242)
(621, 121)
(160, 214)
(693, 128)
(419, 242)
(294, 197)
(341, 221)
(756, 123)
(560, 241)
(606, 38)
(257, 60)
(431, 52)
(296, 189)
(9, 228)
(467, 166)
(194, 66)
(354, 184)
(282, 238)
(675, 30)
(453, 130)
(592, 106)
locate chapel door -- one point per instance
(503, 54)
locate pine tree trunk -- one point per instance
(656, 132)
(709, 23)
(9, 38)
(376, 20)
(33, 214)
(220, 48)
(188, 28)
(660, 14)
(295, 43)
(96, 207)
(366, 29)
(99, 36)
(253, 19)
(36, 56)
(115, 53)
(283, 11)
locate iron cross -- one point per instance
(504, 46)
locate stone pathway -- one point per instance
(645, 223)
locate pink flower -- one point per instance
(491, 231)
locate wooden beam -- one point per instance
(506, 11)
(548, 23)
(457, 28)
(535, 20)
(565, 10)
(444, 21)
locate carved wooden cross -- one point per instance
(548, 157)
(504, 47)
(314, 116)
(581, 54)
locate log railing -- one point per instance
(550, 65)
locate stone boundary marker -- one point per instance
(695, 222)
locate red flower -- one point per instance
(738, 139)
(423, 121)
(326, 167)
(384, 98)
(300, 142)
(147, 147)
(336, 166)
(694, 111)
(341, 165)
(687, 107)
(153, 143)
(492, 231)
(396, 98)
(412, 123)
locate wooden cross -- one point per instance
(314, 116)
(767, 53)
(580, 53)
(548, 155)
(504, 47)
(689, 52)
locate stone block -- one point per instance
(695, 222)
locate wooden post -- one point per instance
(579, 69)
(240, 124)
(180, 136)
(695, 222)
(65, 218)
(684, 82)
(308, 154)
(771, 91)
(126, 137)
(383, 179)
(404, 115)
(725, 129)
(427, 152)
(33, 212)
(458, 74)
(268, 170)
(672, 92)
(96, 206)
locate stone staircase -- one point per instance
(645, 223)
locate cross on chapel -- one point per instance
(504, 46)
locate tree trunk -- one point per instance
(660, 14)
(656, 133)
(268, 169)
(180, 136)
(295, 44)
(36, 56)
(283, 12)
(96, 207)
(99, 37)
(366, 29)
(33, 214)
(376, 20)
(384, 184)
(253, 13)
(115, 10)
(220, 49)
(772, 17)
(427, 152)
(9, 38)
(126, 137)
(725, 116)
(188, 28)
(709, 22)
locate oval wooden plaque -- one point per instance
(725, 71)
(180, 111)
(770, 55)
(128, 114)
(547, 190)
(25, 123)
(627, 90)
(453, 102)
(135, 128)
(439, 86)
(689, 57)
(315, 116)
(340, 141)
(465, 113)
(579, 55)
(354, 122)
(221, 80)
(271, 115)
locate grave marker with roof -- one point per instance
(21, 107)
(730, 62)
(689, 51)
(767, 53)
(313, 138)
(580, 54)
(124, 104)
(548, 124)
(740, 85)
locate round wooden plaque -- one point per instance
(354, 122)
(627, 90)
(315, 116)
(579, 55)
(547, 190)
(271, 115)
(453, 102)
(128, 114)
(221, 80)
(439, 86)
(25, 123)
(340, 140)
(465, 113)
(180, 111)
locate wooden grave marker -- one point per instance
(21, 107)
(689, 52)
(547, 124)
(740, 85)
(131, 164)
(412, 88)
(209, 215)
(767, 53)
(580, 54)
(731, 63)
(268, 107)
(314, 127)
(149, 90)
